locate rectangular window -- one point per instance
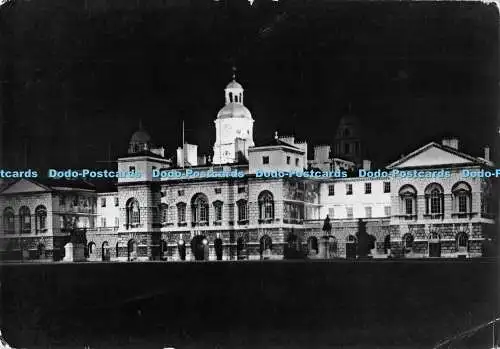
(331, 190)
(408, 206)
(368, 188)
(131, 168)
(387, 187)
(288, 160)
(103, 202)
(116, 201)
(62, 201)
(462, 204)
(348, 189)
(117, 221)
(218, 190)
(180, 192)
(297, 162)
(181, 213)
(103, 222)
(349, 212)
(218, 213)
(347, 150)
(331, 212)
(241, 190)
(368, 212)
(265, 160)
(76, 200)
(242, 211)
(387, 210)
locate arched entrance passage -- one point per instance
(434, 245)
(387, 244)
(105, 251)
(181, 247)
(293, 247)
(241, 249)
(163, 249)
(407, 243)
(350, 247)
(462, 242)
(266, 246)
(312, 246)
(218, 245)
(41, 251)
(199, 248)
(132, 250)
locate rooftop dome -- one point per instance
(234, 110)
(234, 84)
(140, 136)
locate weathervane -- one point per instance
(234, 72)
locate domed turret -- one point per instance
(140, 141)
(234, 127)
(348, 139)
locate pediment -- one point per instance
(433, 155)
(24, 186)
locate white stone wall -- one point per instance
(377, 200)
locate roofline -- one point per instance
(48, 189)
(440, 146)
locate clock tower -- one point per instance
(234, 127)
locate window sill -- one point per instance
(243, 222)
(182, 224)
(217, 223)
(434, 216)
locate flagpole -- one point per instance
(183, 145)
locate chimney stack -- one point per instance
(487, 153)
(450, 142)
(367, 164)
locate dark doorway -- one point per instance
(240, 249)
(350, 247)
(218, 248)
(434, 249)
(199, 247)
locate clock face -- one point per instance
(238, 131)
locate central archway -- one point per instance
(199, 248)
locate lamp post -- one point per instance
(327, 229)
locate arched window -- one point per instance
(408, 200)
(230, 97)
(40, 219)
(200, 209)
(8, 221)
(242, 210)
(24, 220)
(133, 213)
(181, 213)
(434, 199)
(266, 206)
(164, 214)
(462, 198)
(218, 211)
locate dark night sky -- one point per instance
(76, 81)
